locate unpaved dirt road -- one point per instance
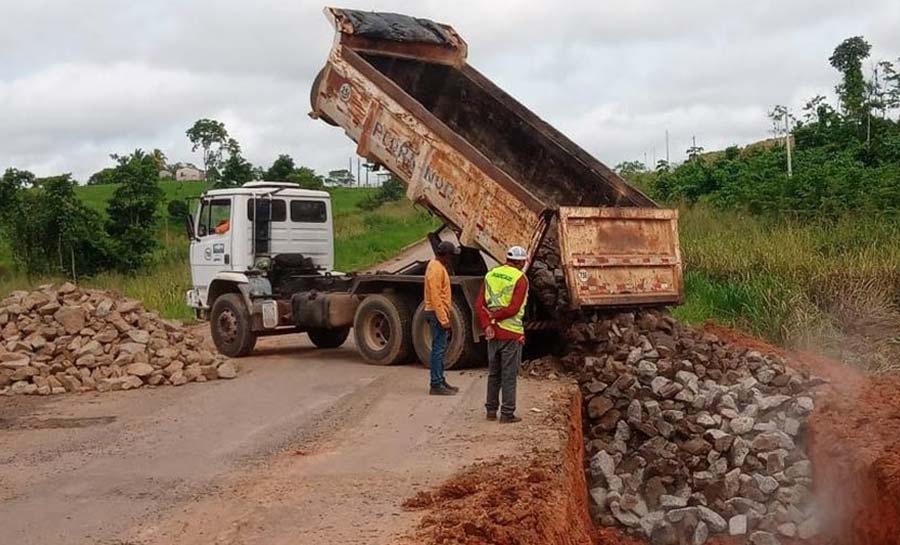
(305, 446)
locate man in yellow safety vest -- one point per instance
(501, 309)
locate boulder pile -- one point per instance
(689, 436)
(65, 339)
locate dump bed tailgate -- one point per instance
(620, 256)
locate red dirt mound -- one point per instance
(854, 444)
(535, 499)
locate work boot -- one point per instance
(509, 419)
(447, 385)
(492, 416)
(441, 391)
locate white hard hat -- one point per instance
(517, 253)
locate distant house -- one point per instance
(186, 172)
(166, 174)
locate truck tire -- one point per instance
(462, 350)
(229, 322)
(328, 338)
(382, 329)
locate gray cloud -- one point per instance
(80, 80)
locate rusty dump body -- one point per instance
(489, 167)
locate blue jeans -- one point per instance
(439, 337)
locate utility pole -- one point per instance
(787, 143)
(667, 147)
(358, 177)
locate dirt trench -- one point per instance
(532, 498)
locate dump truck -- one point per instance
(493, 172)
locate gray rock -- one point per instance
(714, 520)
(599, 494)
(706, 420)
(721, 441)
(803, 406)
(746, 506)
(624, 516)
(227, 370)
(634, 413)
(701, 534)
(775, 461)
(739, 451)
(719, 467)
(667, 501)
(791, 426)
(702, 478)
(677, 515)
(770, 402)
(801, 469)
(647, 369)
(737, 525)
(634, 356)
(792, 495)
(766, 484)
(603, 463)
(732, 483)
(742, 425)
(772, 440)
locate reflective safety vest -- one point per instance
(499, 285)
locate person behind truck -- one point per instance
(501, 309)
(438, 302)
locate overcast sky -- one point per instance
(80, 79)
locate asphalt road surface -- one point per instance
(305, 446)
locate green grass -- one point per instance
(833, 287)
(97, 196)
(361, 239)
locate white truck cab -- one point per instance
(237, 232)
(262, 263)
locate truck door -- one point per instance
(211, 251)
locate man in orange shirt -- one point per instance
(438, 305)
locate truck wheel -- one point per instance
(382, 331)
(229, 322)
(328, 338)
(462, 350)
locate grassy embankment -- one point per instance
(829, 287)
(361, 239)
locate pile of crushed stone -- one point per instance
(66, 339)
(689, 436)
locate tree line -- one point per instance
(49, 230)
(844, 158)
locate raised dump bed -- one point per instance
(490, 168)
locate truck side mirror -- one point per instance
(189, 227)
